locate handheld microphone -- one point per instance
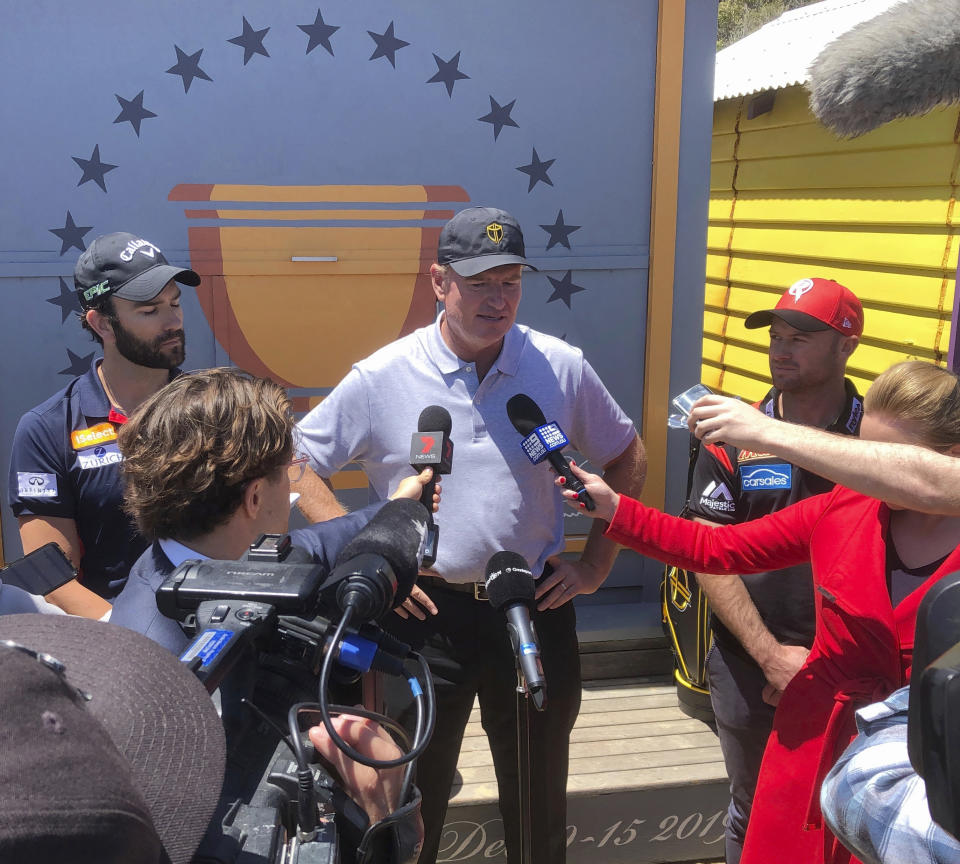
(510, 587)
(544, 440)
(431, 447)
(378, 568)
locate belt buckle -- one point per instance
(480, 591)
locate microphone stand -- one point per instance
(523, 769)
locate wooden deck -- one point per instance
(646, 783)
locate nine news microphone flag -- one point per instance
(543, 440)
(686, 623)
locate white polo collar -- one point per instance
(447, 362)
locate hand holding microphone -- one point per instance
(432, 447)
(544, 440)
(605, 499)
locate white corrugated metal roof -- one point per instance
(778, 54)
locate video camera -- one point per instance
(934, 717)
(278, 615)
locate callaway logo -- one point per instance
(144, 247)
(799, 288)
(96, 290)
(716, 496)
(495, 232)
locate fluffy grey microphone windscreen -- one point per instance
(900, 64)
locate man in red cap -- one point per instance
(763, 624)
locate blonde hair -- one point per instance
(191, 449)
(924, 395)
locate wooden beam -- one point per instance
(663, 237)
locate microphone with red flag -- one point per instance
(431, 447)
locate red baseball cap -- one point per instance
(814, 304)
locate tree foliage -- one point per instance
(739, 18)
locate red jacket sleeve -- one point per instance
(781, 539)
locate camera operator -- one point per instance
(207, 467)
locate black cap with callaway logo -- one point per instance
(479, 238)
(124, 265)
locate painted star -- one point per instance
(559, 233)
(93, 168)
(188, 68)
(132, 111)
(319, 33)
(537, 170)
(78, 365)
(251, 41)
(387, 45)
(71, 234)
(564, 289)
(67, 301)
(448, 73)
(499, 116)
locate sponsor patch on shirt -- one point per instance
(102, 454)
(856, 412)
(750, 455)
(99, 434)
(32, 485)
(764, 477)
(716, 496)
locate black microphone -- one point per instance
(510, 587)
(431, 447)
(542, 440)
(378, 568)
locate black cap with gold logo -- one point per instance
(479, 238)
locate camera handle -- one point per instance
(223, 629)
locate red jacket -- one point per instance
(861, 653)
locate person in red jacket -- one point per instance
(872, 564)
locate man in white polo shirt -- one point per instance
(470, 362)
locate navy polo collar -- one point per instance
(93, 398)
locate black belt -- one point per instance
(477, 589)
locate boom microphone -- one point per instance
(544, 440)
(510, 587)
(431, 447)
(378, 568)
(901, 63)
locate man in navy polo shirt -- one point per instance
(64, 467)
(763, 624)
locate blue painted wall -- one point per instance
(578, 77)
